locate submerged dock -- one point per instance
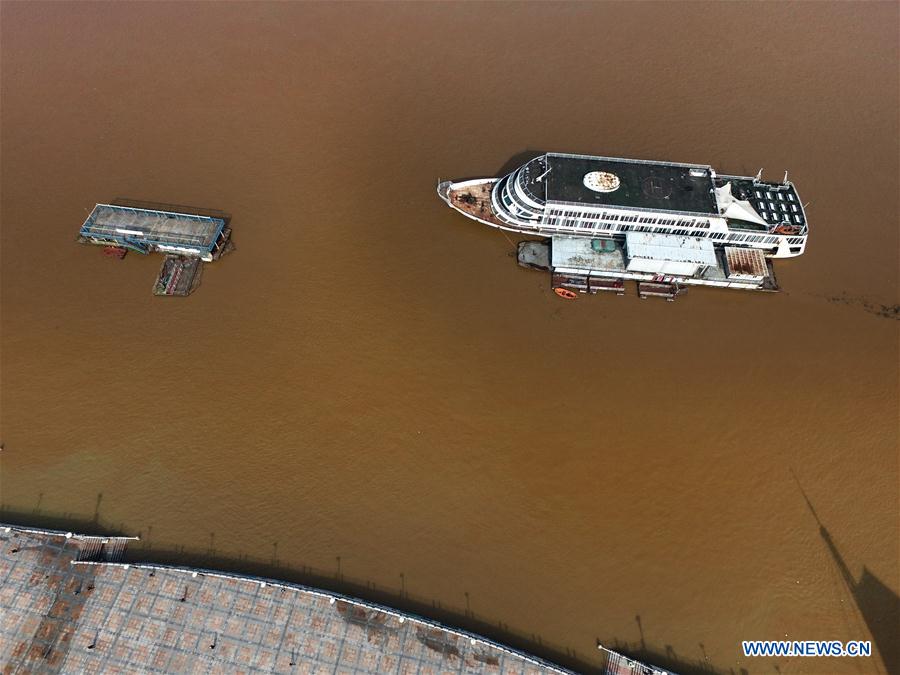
(187, 240)
(178, 276)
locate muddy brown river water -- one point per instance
(370, 387)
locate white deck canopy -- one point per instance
(739, 209)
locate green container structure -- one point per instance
(603, 245)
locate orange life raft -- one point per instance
(565, 293)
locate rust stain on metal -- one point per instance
(750, 262)
(474, 200)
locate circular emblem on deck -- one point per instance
(601, 181)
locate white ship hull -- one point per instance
(764, 216)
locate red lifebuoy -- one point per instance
(565, 293)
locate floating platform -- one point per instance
(187, 239)
(654, 289)
(147, 230)
(534, 255)
(178, 276)
(599, 284)
(584, 265)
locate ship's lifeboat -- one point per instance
(565, 293)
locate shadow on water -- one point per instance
(510, 165)
(68, 522)
(668, 659)
(518, 160)
(878, 605)
(265, 563)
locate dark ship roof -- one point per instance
(660, 186)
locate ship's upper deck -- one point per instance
(626, 183)
(773, 204)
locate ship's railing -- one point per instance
(707, 167)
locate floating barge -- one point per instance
(664, 269)
(652, 222)
(187, 239)
(178, 275)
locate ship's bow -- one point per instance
(443, 190)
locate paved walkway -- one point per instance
(67, 606)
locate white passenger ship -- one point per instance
(648, 221)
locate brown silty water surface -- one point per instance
(371, 382)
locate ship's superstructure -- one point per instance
(580, 195)
(667, 219)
